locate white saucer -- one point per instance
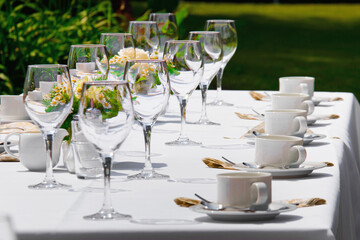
(14, 120)
(305, 169)
(275, 209)
(309, 137)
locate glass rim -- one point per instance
(117, 34)
(183, 41)
(105, 82)
(47, 65)
(162, 14)
(88, 45)
(142, 22)
(221, 20)
(146, 60)
(206, 32)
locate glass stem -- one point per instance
(219, 81)
(147, 137)
(203, 88)
(107, 159)
(49, 139)
(183, 102)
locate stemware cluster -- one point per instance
(127, 77)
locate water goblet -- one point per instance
(185, 63)
(106, 116)
(146, 37)
(48, 107)
(228, 35)
(212, 52)
(150, 89)
(88, 62)
(168, 29)
(120, 47)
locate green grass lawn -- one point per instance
(320, 40)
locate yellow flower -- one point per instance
(106, 105)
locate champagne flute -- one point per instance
(88, 62)
(106, 116)
(212, 52)
(150, 88)
(48, 108)
(120, 47)
(185, 63)
(168, 29)
(228, 34)
(146, 37)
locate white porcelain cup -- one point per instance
(32, 151)
(279, 151)
(290, 122)
(298, 84)
(46, 87)
(245, 189)
(12, 108)
(292, 101)
(86, 67)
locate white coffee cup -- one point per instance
(298, 84)
(245, 189)
(46, 87)
(12, 108)
(86, 67)
(292, 101)
(279, 151)
(32, 151)
(290, 122)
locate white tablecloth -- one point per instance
(58, 214)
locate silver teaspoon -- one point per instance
(217, 206)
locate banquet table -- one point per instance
(59, 214)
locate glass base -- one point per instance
(220, 102)
(148, 175)
(183, 142)
(49, 184)
(107, 215)
(205, 122)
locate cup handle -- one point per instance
(310, 106)
(304, 88)
(302, 124)
(302, 155)
(262, 195)
(6, 147)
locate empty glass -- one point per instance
(88, 62)
(212, 52)
(150, 88)
(146, 37)
(185, 63)
(167, 26)
(48, 99)
(106, 116)
(120, 47)
(228, 34)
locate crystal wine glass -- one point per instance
(212, 52)
(146, 37)
(88, 62)
(48, 99)
(120, 47)
(228, 34)
(106, 116)
(150, 88)
(185, 63)
(168, 29)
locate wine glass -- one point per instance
(167, 26)
(120, 47)
(185, 63)
(106, 116)
(212, 52)
(88, 62)
(228, 34)
(146, 37)
(150, 88)
(48, 99)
